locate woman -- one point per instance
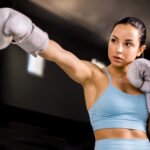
(117, 123)
(117, 110)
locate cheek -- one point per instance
(131, 53)
(110, 49)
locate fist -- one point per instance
(18, 27)
(139, 74)
(5, 39)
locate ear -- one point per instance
(141, 50)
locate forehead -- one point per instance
(126, 31)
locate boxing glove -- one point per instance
(15, 26)
(139, 76)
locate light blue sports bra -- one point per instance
(116, 109)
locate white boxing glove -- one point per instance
(139, 76)
(18, 27)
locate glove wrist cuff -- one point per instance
(36, 42)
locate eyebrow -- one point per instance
(128, 40)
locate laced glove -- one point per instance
(15, 26)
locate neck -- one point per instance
(119, 71)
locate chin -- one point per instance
(116, 64)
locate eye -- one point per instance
(128, 44)
(114, 40)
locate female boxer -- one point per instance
(117, 110)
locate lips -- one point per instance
(117, 57)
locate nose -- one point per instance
(119, 48)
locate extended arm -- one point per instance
(75, 68)
(18, 27)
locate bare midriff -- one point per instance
(122, 133)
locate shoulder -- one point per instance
(93, 67)
(97, 72)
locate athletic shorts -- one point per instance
(122, 144)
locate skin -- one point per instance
(124, 42)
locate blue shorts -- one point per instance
(122, 144)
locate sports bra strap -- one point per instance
(108, 74)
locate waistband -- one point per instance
(119, 141)
(122, 144)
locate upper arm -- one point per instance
(77, 69)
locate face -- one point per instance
(124, 43)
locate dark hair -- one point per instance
(138, 24)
